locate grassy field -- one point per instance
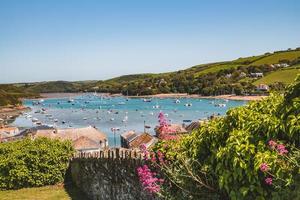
(276, 57)
(215, 68)
(287, 76)
(43, 193)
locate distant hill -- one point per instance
(10, 95)
(206, 79)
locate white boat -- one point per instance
(38, 123)
(177, 101)
(35, 119)
(55, 120)
(125, 119)
(147, 100)
(28, 116)
(112, 119)
(156, 106)
(84, 118)
(121, 103)
(188, 104)
(220, 105)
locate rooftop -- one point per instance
(71, 133)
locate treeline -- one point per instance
(230, 77)
(225, 81)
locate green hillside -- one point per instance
(286, 76)
(206, 79)
(277, 57)
(10, 95)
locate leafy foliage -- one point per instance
(233, 155)
(30, 163)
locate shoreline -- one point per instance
(196, 96)
(9, 113)
(164, 95)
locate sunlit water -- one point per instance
(106, 113)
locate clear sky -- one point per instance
(97, 39)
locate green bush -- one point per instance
(226, 154)
(30, 163)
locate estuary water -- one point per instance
(119, 112)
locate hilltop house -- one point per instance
(87, 139)
(228, 75)
(132, 140)
(256, 75)
(281, 65)
(262, 87)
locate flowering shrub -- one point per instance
(251, 153)
(164, 129)
(148, 178)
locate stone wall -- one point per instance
(109, 175)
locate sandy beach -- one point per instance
(59, 95)
(185, 95)
(168, 95)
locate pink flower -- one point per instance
(272, 143)
(160, 157)
(148, 179)
(165, 129)
(269, 181)
(264, 167)
(281, 149)
(143, 147)
(153, 158)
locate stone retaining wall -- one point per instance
(109, 175)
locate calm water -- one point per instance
(105, 113)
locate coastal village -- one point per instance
(91, 139)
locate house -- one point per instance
(86, 139)
(194, 126)
(257, 74)
(262, 87)
(132, 140)
(228, 75)
(171, 132)
(127, 137)
(281, 65)
(8, 132)
(284, 65)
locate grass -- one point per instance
(286, 76)
(44, 193)
(276, 57)
(215, 68)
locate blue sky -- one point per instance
(89, 40)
